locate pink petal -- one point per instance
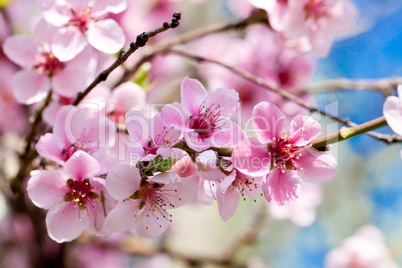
(113, 6)
(281, 187)
(44, 32)
(22, 50)
(50, 148)
(63, 223)
(227, 99)
(138, 129)
(29, 86)
(303, 130)
(251, 158)
(128, 96)
(318, 167)
(193, 94)
(226, 183)
(123, 181)
(121, 218)
(393, 111)
(176, 116)
(206, 192)
(47, 188)
(151, 224)
(207, 161)
(57, 14)
(196, 142)
(228, 203)
(321, 41)
(163, 132)
(63, 125)
(229, 136)
(268, 121)
(106, 36)
(166, 178)
(81, 165)
(185, 167)
(67, 43)
(184, 192)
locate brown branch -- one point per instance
(385, 85)
(192, 36)
(140, 42)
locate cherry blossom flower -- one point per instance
(204, 118)
(83, 22)
(145, 202)
(365, 249)
(44, 71)
(283, 157)
(318, 20)
(74, 131)
(75, 198)
(149, 138)
(125, 97)
(393, 112)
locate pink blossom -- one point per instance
(303, 211)
(44, 71)
(283, 157)
(75, 198)
(74, 131)
(365, 249)
(149, 138)
(83, 22)
(204, 118)
(318, 20)
(144, 201)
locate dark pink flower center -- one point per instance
(49, 64)
(207, 121)
(81, 192)
(283, 152)
(81, 19)
(317, 9)
(283, 2)
(246, 185)
(160, 140)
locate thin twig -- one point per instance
(287, 95)
(385, 85)
(192, 36)
(140, 42)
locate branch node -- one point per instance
(174, 23)
(103, 76)
(166, 25)
(177, 15)
(141, 40)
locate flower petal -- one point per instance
(46, 188)
(151, 223)
(63, 223)
(318, 167)
(268, 121)
(282, 187)
(121, 218)
(303, 130)
(251, 158)
(22, 50)
(81, 165)
(29, 86)
(228, 203)
(123, 181)
(106, 36)
(393, 112)
(50, 148)
(67, 43)
(176, 116)
(226, 99)
(193, 94)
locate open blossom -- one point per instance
(44, 71)
(149, 138)
(144, 202)
(204, 118)
(365, 249)
(83, 22)
(393, 112)
(75, 198)
(74, 131)
(283, 157)
(317, 20)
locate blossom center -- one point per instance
(207, 121)
(283, 152)
(48, 64)
(81, 19)
(82, 144)
(317, 9)
(81, 192)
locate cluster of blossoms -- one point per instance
(176, 158)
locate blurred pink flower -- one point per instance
(283, 157)
(145, 203)
(318, 20)
(75, 198)
(83, 22)
(204, 118)
(365, 249)
(43, 71)
(393, 111)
